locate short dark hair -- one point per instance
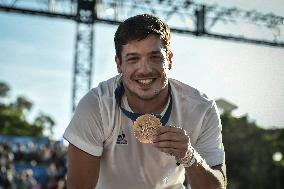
(138, 28)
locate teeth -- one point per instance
(145, 81)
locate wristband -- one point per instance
(187, 158)
(190, 163)
(194, 158)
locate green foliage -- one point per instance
(45, 121)
(13, 117)
(4, 89)
(249, 150)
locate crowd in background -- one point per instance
(32, 165)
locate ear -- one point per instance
(170, 56)
(118, 64)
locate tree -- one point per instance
(45, 121)
(13, 117)
(249, 151)
(4, 89)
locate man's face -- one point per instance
(144, 66)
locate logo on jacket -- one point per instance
(121, 138)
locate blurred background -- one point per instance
(53, 51)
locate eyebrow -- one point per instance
(155, 52)
(135, 54)
(131, 54)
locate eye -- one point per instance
(156, 58)
(132, 59)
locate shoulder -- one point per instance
(186, 93)
(100, 96)
(106, 88)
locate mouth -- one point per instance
(145, 82)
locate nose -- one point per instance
(144, 67)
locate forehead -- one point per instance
(144, 46)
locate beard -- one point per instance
(146, 98)
(130, 86)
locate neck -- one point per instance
(155, 105)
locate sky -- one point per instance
(37, 54)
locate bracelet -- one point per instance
(188, 156)
(191, 162)
(195, 158)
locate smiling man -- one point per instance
(103, 151)
(144, 65)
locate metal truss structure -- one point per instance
(183, 16)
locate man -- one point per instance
(103, 150)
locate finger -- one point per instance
(170, 136)
(179, 148)
(170, 144)
(171, 151)
(171, 129)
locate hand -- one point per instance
(173, 141)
